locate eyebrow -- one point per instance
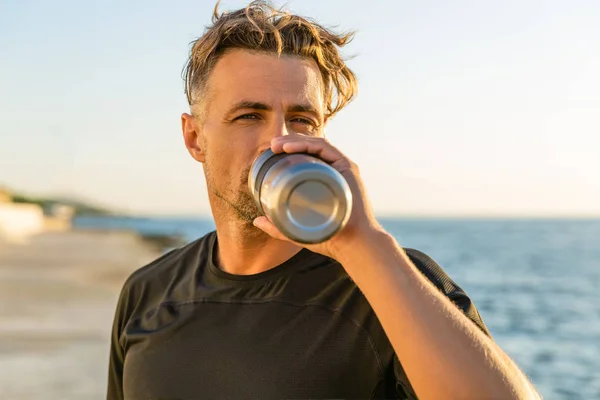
(304, 108)
(244, 104)
(256, 105)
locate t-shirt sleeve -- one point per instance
(432, 271)
(117, 353)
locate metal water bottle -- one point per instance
(306, 199)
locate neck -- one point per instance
(243, 249)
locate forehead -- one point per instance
(241, 74)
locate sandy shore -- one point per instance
(58, 292)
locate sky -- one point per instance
(465, 108)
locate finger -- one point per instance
(317, 146)
(278, 142)
(267, 226)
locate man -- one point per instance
(246, 313)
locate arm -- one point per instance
(434, 340)
(444, 354)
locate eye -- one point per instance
(304, 121)
(250, 116)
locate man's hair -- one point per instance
(262, 28)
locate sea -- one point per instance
(536, 283)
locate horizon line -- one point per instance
(407, 216)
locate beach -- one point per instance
(58, 292)
(535, 283)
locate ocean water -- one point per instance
(535, 282)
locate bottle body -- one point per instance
(305, 198)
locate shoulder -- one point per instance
(432, 271)
(147, 286)
(160, 272)
(440, 279)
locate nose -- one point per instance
(279, 128)
(276, 127)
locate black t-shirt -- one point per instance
(185, 329)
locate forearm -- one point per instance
(443, 353)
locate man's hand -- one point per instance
(362, 222)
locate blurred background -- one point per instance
(476, 129)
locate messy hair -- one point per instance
(261, 27)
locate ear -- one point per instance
(192, 136)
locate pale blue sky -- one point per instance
(464, 107)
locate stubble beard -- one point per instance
(239, 199)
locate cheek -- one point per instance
(230, 153)
(229, 169)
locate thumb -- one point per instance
(267, 226)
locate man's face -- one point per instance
(251, 98)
